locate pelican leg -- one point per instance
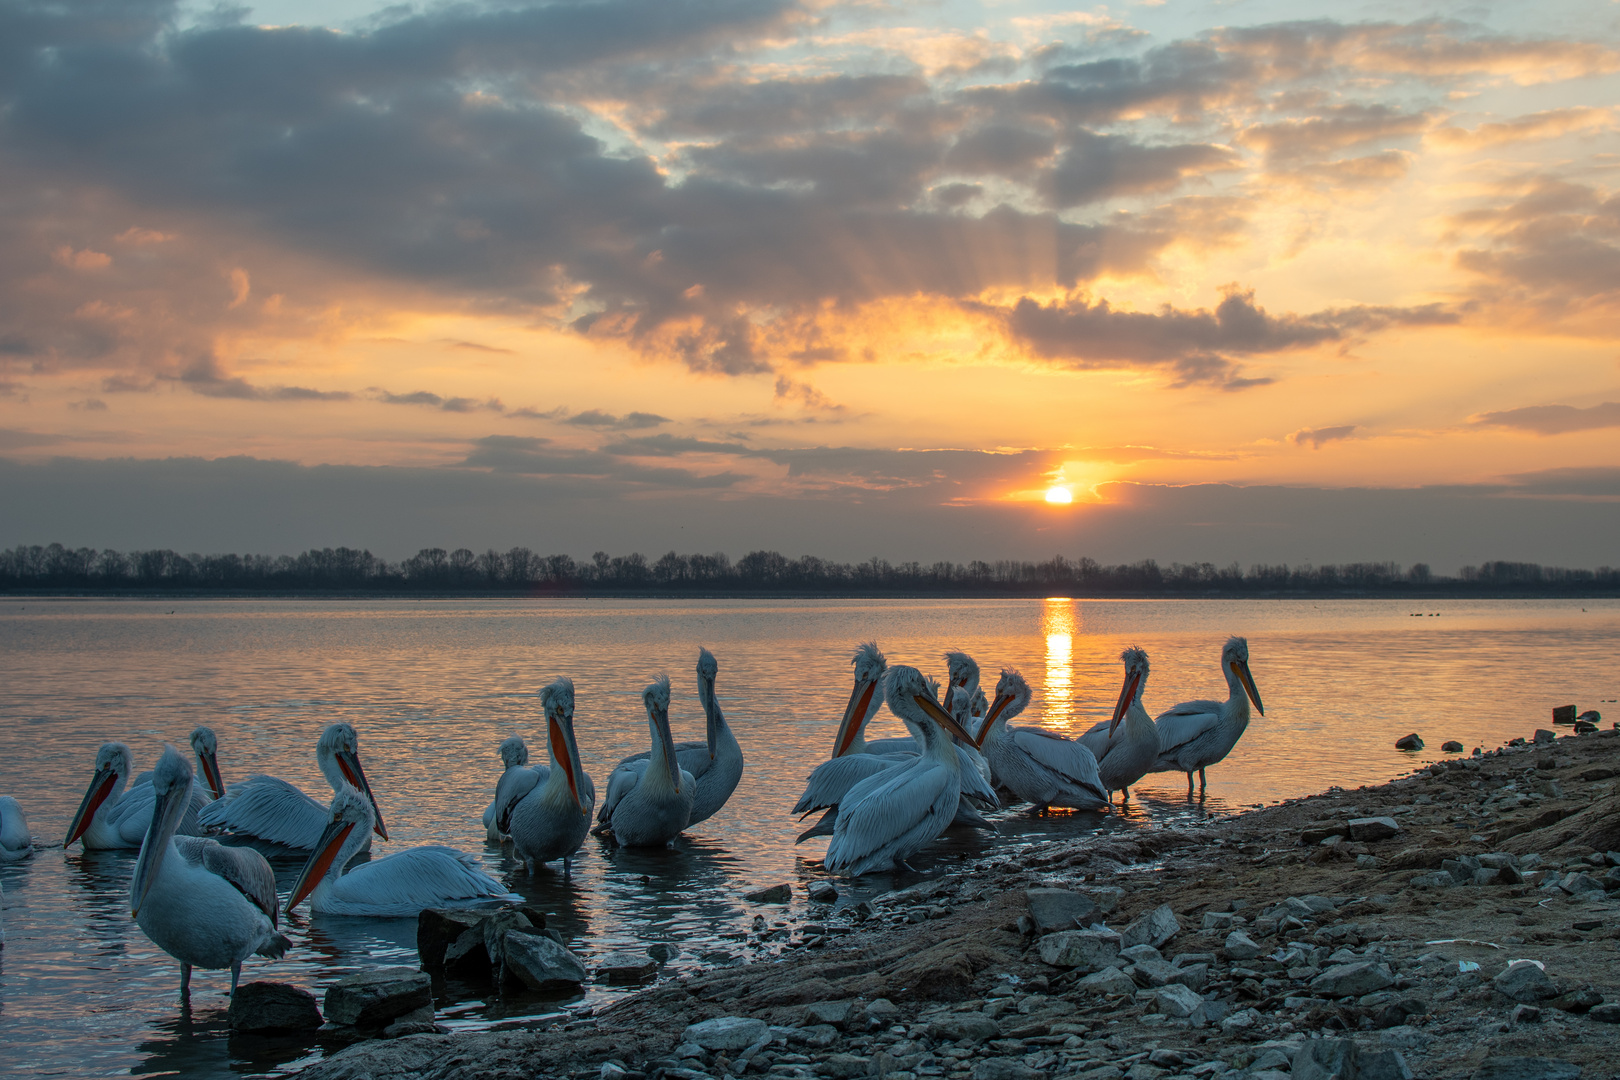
(1189, 784)
(568, 867)
(1203, 784)
(236, 973)
(185, 979)
(1124, 795)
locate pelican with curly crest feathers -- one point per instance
(553, 818)
(401, 885)
(887, 818)
(1127, 745)
(1196, 734)
(715, 761)
(517, 780)
(113, 816)
(269, 808)
(854, 759)
(1044, 767)
(16, 842)
(205, 904)
(650, 805)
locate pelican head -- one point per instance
(171, 787)
(114, 763)
(870, 666)
(558, 700)
(341, 746)
(206, 747)
(707, 668)
(1136, 673)
(963, 675)
(349, 811)
(1012, 695)
(514, 752)
(1235, 661)
(910, 696)
(656, 699)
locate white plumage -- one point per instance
(16, 842)
(716, 761)
(1042, 767)
(553, 818)
(649, 803)
(515, 775)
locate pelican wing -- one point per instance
(893, 818)
(1071, 762)
(133, 814)
(830, 781)
(1181, 724)
(245, 869)
(976, 777)
(513, 785)
(268, 808)
(407, 882)
(621, 782)
(898, 744)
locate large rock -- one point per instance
(1240, 946)
(1526, 1068)
(1413, 741)
(438, 929)
(1155, 928)
(836, 1013)
(272, 1008)
(1001, 1068)
(1525, 981)
(1369, 829)
(964, 1027)
(373, 997)
(1085, 949)
(539, 962)
(626, 967)
(1326, 1059)
(727, 1034)
(1352, 980)
(1177, 1000)
(1382, 1065)
(1151, 973)
(1059, 909)
(1110, 980)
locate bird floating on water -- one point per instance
(649, 806)
(716, 760)
(554, 817)
(112, 815)
(515, 772)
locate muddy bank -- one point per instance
(1355, 934)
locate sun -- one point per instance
(1059, 495)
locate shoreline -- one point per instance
(1343, 932)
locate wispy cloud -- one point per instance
(1553, 419)
(1316, 437)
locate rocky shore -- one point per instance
(1463, 921)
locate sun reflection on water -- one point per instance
(1058, 624)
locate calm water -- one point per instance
(433, 687)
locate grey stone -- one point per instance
(1382, 1065)
(1525, 982)
(1434, 879)
(964, 1027)
(373, 997)
(1526, 1068)
(1605, 1014)
(880, 1013)
(1143, 1071)
(1409, 742)
(1218, 920)
(1192, 976)
(1155, 928)
(1086, 949)
(1452, 746)
(844, 1067)
(1166, 1059)
(1107, 897)
(1271, 1058)
(539, 961)
(1000, 1068)
(1059, 909)
(1100, 1072)
(816, 1036)
(1352, 980)
(727, 1034)
(1241, 1022)
(1577, 1001)
(1110, 980)
(271, 1007)
(1487, 875)
(1326, 1059)
(1369, 829)
(776, 894)
(1240, 946)
(1138, 953)
(1543, 736)
(663, 951)
(1177, 1000)
(437, 930)
(823, 892)
(626, 967)
(835, 1013)
(1151, 973)
(1576, 882)
(1526, 1014)
(1368, 862)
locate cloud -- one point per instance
(1553, 419)
(435, 401)
(1096, 167)
(633, 421)
(1552, 245)
(805, 396)
(537, 457)
(89, 405)
(1315, 437)
(1549, 124)
(1332, 130)
(205, 377)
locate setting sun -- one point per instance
(1059, 495)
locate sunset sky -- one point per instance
(1251, 281)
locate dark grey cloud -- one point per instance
(632, 421)
(775, 107)
(1554, 419)
(436, 401)
(999, 149)
(666, 445)
(538, 457)
(1097, 167)
(1552, 243)
(1315, 437)
(205, 376)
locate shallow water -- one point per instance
(433, 687)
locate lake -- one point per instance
(433, 687)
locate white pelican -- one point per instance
(887, 818)
(272, 809)
(400, 885)
(649, 806)
(515, 773)
(716, 761)
(109, 816)
(1196, 734)
(1126, 753)
(552, 819)
(206, 747)
(204, 904)
(853, 759)
(1041, 766)
(16, 842)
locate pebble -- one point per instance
(1240, 946)
(1370, 829)
(1352, 980)
(823, 892)
(1085, 949)
(775, 894)
(270, 1007)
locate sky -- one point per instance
(1245, 281)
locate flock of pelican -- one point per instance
(212, 905)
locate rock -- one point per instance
(1368, 862)
(539, 962)
(415, 1022)
(373, 997)
(1542, 736)
(1577, 1001)
(823, 892)
(1218, 920)
(1107, 896)
(1564, 714)
(845, 1067)
(1100, 1072)
(437, 930)
(1085, 949)
(1525, 1014)
(1240, 946)
(1526, 1068)
(1585, 727)
(1599, 773)
(1352, 980)
(1370, 829)
(1137, 953)
(625, 967)
(663, 951)
(1176, 1000)
(1110, 980)
(1005, 1069)
(776, 894)
(727, 1034)
(1486, 875)
(835, 1013)
(1155, 928)
(964, 1027)
(1591, 716)
(270, 1008)
(1524, 981)
(1452, 747)
(1326, 1059)
(1382, 1065)
(1409, 742)
(1240, 1023)
(1166, 1059)
(1151, 973)
(1605, 1014)
(880, 1014)
(1192, 976)
(1059, 909)
(1576, 882)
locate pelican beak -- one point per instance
(152, 850)
(562, 745)
(860, 699)
(1240, 668)
(942, 718)
(320, 861)
(1127, 694)
(1002, 701)
(210, 768)
(667, 741)
(101, 786)
(349, 765)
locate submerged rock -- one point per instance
(373, 997)
(540, 963)
(272, 1008)
(776, 894)
(1413, 741)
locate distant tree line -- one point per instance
(520, 571)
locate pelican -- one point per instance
(109, 816)
(1041, 766)
(1126, 754)
(272, 809)
(397, 886)
(206, 747)
(16, 842)
(887, 818)
(716, 761)
(650, 806)
(515, 774)
(853, 759)
(204, 904)
(552, 819)
(1196, 734)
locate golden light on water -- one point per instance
(1059, 495)
(1057, 623)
